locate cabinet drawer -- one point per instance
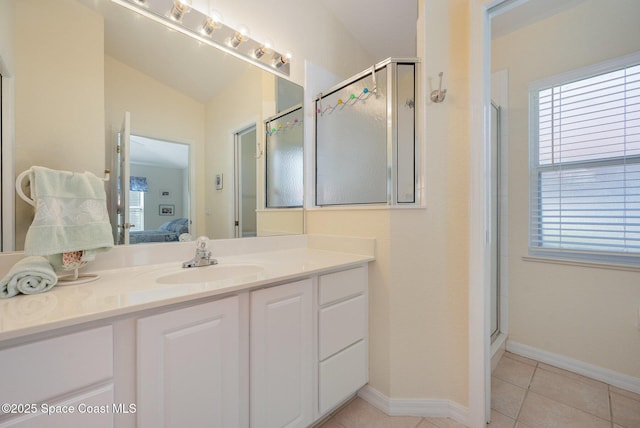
(99, 400)
(45, 369)
(338, 285)
(341, 325)
(342, 375)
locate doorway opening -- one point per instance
(152, 192)
(245, 180)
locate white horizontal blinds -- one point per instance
(136, 210)
(587, 166)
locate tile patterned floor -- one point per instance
(525, 394)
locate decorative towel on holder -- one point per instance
(70, 216)
(30, 275)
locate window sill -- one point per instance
(580, 263)
(365, 207)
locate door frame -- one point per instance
(481, 12)
(8, 174)
(237, 179)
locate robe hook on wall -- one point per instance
(438, 95)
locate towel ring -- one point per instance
(19, 190)
(30, 201)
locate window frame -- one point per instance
(137, 227)
(535, 169)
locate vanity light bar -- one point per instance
(178, 15)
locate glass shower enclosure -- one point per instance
(366, 139)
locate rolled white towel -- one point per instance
(30, 275)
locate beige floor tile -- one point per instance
(572, 392)
(498, 420)
(520, 358)
(506, 398)
(521, 425)
(442, 423)
(573, 376)
(626, 411)
(624, 392)
(360, 414)
(331, 423)
(541, 412)
(426, 424)
(514, 371)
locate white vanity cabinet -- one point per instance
(188, 366)
(190, 361)
(56, 382)
(281, 356)
(276, 355)
(342, 336)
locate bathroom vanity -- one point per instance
(273, 338)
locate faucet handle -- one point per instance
(201, 242)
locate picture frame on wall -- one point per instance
(165, 194)
(166, 209)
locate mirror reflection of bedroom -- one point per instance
(158, 190)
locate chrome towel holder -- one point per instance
(20, 178)
(438, 95)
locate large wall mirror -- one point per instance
(80, 65)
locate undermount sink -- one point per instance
(211, 273)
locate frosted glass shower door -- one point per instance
(285, 159)
(366, 141)
(351, 161)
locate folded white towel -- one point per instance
(30, 275)
(71, 214)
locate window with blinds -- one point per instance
(585, 167)
(136, 210)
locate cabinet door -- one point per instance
(188, 367)
(281, 356)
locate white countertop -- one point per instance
(127, 290)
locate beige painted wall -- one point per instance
(237, 107)
(585, 313)
(59, 110)
(304, 28)
(157, 111)
(418, 283)
(280, 222)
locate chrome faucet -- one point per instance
(203, 255)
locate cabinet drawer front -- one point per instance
(48, 368)
(338, 285)
(95, 409)
(341, 325)
(342, 375)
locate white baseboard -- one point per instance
(611, 377)
(413, 407)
